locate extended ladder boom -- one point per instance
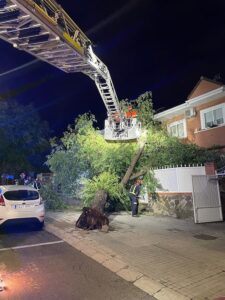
(43, 29)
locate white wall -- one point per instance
(177, 179)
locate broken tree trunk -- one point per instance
(134, 161)
(100, 201)
(93, 217)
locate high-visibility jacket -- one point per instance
(135, 189)
(131, 114)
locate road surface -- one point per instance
(36, 265)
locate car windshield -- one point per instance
(21, 195)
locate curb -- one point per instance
(114, 263)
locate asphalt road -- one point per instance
(37, 265)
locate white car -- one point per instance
(21, 202)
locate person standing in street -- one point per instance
(22, 178)
(133, 195)
(37, 183)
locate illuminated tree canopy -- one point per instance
(83, 158)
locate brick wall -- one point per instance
(203, 138)
(210, 168)
(202, 87)
(209, 137)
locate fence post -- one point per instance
(210, 168)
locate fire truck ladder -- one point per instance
(43, 29)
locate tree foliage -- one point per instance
(24, 138)
(52, 199)
(83, 158)
(164, 150)
(83, 153)
(106, 181)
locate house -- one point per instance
(201, 118)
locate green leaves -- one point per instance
(107, 182)
(82, 153)
(164, 150)
(53, 200)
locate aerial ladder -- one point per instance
(43, 29)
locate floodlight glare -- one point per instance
(2, 286)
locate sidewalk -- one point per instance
(168, 258)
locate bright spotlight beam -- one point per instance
(113, 17)
(20, 67)
(2, 286)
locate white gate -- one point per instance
(206, 199)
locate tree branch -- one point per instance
(134, 162)
(140, 173)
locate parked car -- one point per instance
(23, 203)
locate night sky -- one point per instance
(148, 45)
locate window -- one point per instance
(21, 195)
(178, 129)
(213, 116)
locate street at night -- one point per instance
(37, 265)
(112, 153)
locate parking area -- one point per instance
(38, 265)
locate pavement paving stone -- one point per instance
(168, 294)
(148, 285)
(209, 288)
(76, 244)
(107, 251)
(114, 265)
(75, 239)
(100, 257)
(84, 245)
(90, 251)
(129, 274)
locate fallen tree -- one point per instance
(83, 158)
(94, 217)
